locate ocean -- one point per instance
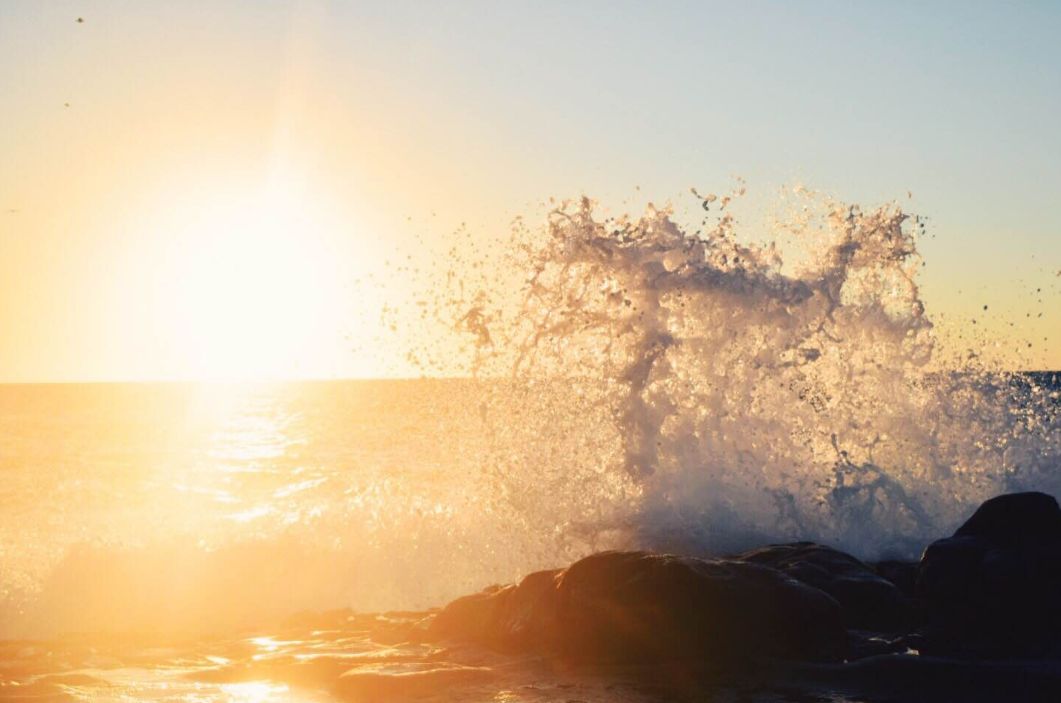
(319, 494)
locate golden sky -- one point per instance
(201, 190)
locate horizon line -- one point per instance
(303, 379)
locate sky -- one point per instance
(155, 156)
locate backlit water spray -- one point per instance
(689, 389)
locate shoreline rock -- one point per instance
(867, 600)
(994, 587)
(804, 614)
(642, 607)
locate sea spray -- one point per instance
(690, 389)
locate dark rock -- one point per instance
(867, 600)
(922, 679)
(994, 587)
(901, 573)
(1016, 520)
(637, 607)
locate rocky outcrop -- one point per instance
(994, 587)
(867, 601)
(978, 617)
(641, 607)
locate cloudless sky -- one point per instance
(118, 133)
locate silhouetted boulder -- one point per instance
(1017, 520)
(636, 607)
(867, 601)
(994, 587)
(901, 573)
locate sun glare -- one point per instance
(249, 288)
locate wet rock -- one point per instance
(994, 587)
(637, 607)
(867, 600)
(864, 643)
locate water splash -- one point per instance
(690, 389)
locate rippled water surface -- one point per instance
(116, 498)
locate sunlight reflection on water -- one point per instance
(121, 498)
(256, 692)
(248, 465)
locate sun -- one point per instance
(247, 288)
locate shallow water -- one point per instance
(336, 657)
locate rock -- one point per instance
(901, 573)
(911, 678)
(636, 607)
(867, 601)
(1016, 520)
(514, 617)
(994, 587)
